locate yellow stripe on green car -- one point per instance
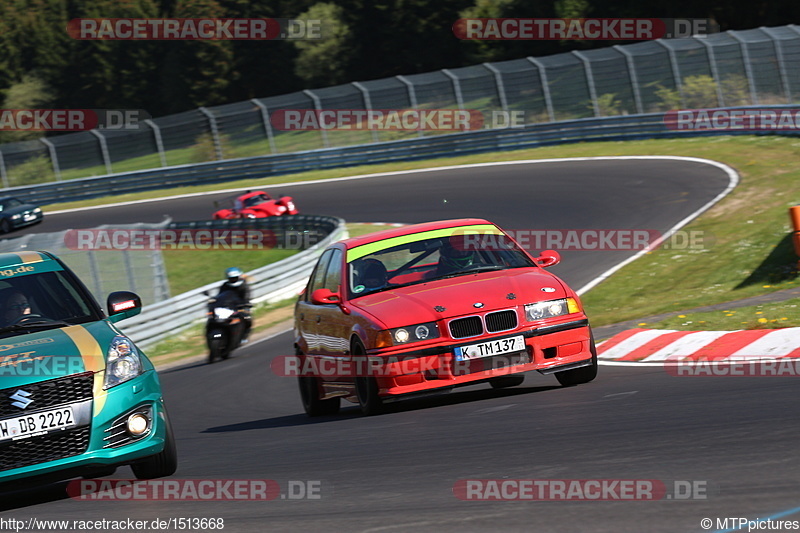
(93, 360)
(371, 248)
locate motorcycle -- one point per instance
(226, 324)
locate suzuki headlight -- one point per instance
(122, 362)
(223, 313)
(551, 308)
(415, 333)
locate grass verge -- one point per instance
(774, 315)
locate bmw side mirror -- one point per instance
(548, 258)
(122, 305)
(325, 296)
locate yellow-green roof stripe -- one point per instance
(366, 249)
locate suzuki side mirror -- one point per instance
(122, 305)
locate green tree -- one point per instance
(323, 61)
(30, 93)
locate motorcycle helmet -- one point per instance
(234, 275)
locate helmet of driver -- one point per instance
(234, 275)
(456, 256)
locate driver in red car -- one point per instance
(454, 257)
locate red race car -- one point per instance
(430, 307)
(258, 204)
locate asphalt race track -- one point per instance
(732, 440)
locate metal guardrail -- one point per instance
(592, 129)
(271, 283)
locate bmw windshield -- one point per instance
(420, 260)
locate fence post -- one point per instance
(367, 106)
(53, 157)
(267, 124)
(103, 149)
(159, 142)
(781, 64)
(637, 96)
(545, 87)
(676, 74)
(318, 107)
(412, 97)
(3, 173)
(501, 89)
(748, 70)
(589, 80)
(161, 282)
(212, 123)
(712, 63)
(456, 87)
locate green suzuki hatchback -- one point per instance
(77, 397)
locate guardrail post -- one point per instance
(589, 80)
(212, 124)
(367, 106)
(412, 97)
(637, 95)
(318, 107)
(161, 285)
(676, 74)
(712, 63)
(159, 142)
(129, 271)
(501, 89)
(103, 149)
(267, 124)
(545, 87)
(95, 276)
(53, 157)
(748, 69)
(3, 174)
(456, 87)
(781, 64)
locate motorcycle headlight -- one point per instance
(222, 313)
(415, 333)
(122, 362)
(551, 308)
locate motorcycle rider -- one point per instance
(237, 284)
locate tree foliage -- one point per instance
(368, 39)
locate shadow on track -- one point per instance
(411, 404)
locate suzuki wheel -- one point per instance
(162, 464)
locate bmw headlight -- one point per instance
(551, 308)
(122, 362)
(16, 217)
(37, 210)
(415, 333)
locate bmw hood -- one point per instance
(459, 296)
